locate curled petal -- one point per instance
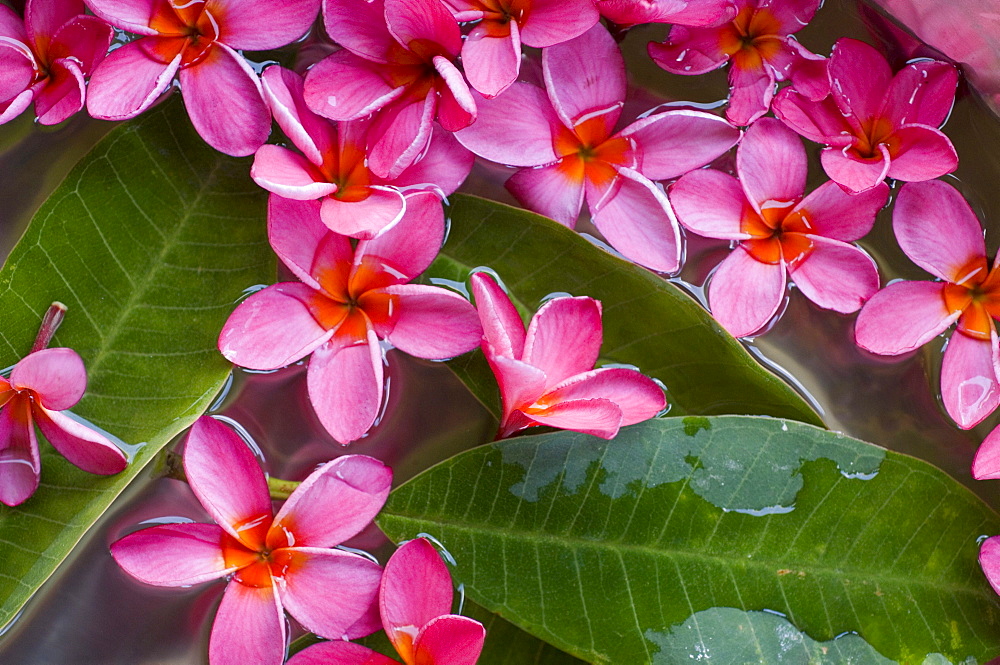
(502, 326)
(56, 375)
(517, 130)
(597, 416)
(986, 464)
(564, 338)
(81, 445)
(345, 387)
(834, 213)
(19, 463)
(263, 24)
(553, 191)
(288, 174)
(382, 208)
(492, 62)
(457, 109)
(745, 293)
(415, 589)
(344, 86)
(712, 204)
(451, 639)
(337, 652)
(584, 75)
(399, 134)
(409, 247)
(922, 153)
(249, 627)
(85, 39)
(313, 135)
(969, 387)
(638, 396)
(853, 173)
(174, 555)
(672, 143)
(446, 164)
(771, 163)
(835, 275)
(902, 317)
(820, 121)
(432, 322)
(63, 94)
(128, 81)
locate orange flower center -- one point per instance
(752, 38)
(875, 132)
(777, 234)
(348, 169)
(587, 153)
(186, 28)
(348, 302)
(975, 292)
(497, 15)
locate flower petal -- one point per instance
(43, 19)
(83, 446)
(921, 93)
(360, 27)
(260, 25)
(334, 503)
(712, 204)
(853, 173)
(63, 93)
(451, 639)
(750, 94)
(835, 275)
(345, 387)
(399, 134)
(502, 325)
(902, 317)
(297, 234)
(131, 15)
(834, 213)
(128, 81)
(922, 153)
(674, 142)
(427, 20)
(597, 417)
(288, 174)
(432, 322)
(986, 464)
(520, 384)
(771, 163)
(249, 627)
(491, 62)
(337, 652)
(550, 191)
(84, 39)
(744, 294)
(820, 121)
(860, 77)
(175, 555)
(517, 130)
(564, 338)
(17, 70)
(446, 164)
(383, 207)
(969, 387)
(415, 589)
(57, 376)
(457, 107)
(344, 86)
(989, 559)
(637, 396)
(584, 75)
(689, 50)
(19, 462)
(552, 22)
(313, 135)
(15, 107)
(410, 246)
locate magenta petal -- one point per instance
(344, 86)
(771, 163)
(263, 24)
(502, 325)
(296, 233)
(853, 173)
(56, 375)
(860, 76)
(921, 212)
(744, 293)
(564, 338)
(63, 94)
(549, 191)
(921, 93)
(989, 559)
(922, 153)
(249, 627)
(968, 381)
(131, 15)
(491, 62)
(359, 26)
(446, 164)
(712, 204)
(637, 396)
(415, 589)
(84, 39)
(15, 107)
(288, 174)
(835, 275)
(675, 142)
(383, 207)
(334, 503)
(584, 75)
(19, 462)
(986, 465)
(228, 481)
(17, 70)
(834, 213)
(689, 51)
(175, 555)
(457, 107)
(399, 134)
(517, 130)
(750, 94)
(345, 388)
(43, 19)
(520, 384)
(792, 15)
(597, 417)
(410, 246)
(819, 121)
(427, 20)
(451, 639)
(339, 653)
(432, 322)
(128, 81)
(552, 22)
(81, 445)
(12, 25)
(902, 317)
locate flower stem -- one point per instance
(281, 489)
(50, 323)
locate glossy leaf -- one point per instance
(631, 550)
(648, 322)
(149, 241)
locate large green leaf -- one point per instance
(631, 550)
(648, 322)
(149, 241)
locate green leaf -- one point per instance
(615, 551)
(149, 242)
(648, 322)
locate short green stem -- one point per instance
(281, 489)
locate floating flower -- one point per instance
(348, 300)
(274, 562)
(196, 41)
(755, 44)
(778, 231)
(491, 53)
(547, 375)
(937, 229)
(415, 599)
(564, 133)
(46, 59)
(41, 386)
(399, 56)
(679, 12)
(875, 124)
(355, 201)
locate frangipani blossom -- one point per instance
(873, 123)
(755, 44)
(564, 134)
(938, 230)
(491, 53)
(46, 59)
(355, 202)
(273, 562)
(399, 56)
(415, 598)
(679, 12)
(196, 41)
(779, 232)
(349, 298)
(546, 375)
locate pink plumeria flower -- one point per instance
(627, 13)
(565, 135)
(547, 376)
(273, 562)
(875, 124)
(780, 234)
(415, 599)
(755, 44)
(350, 298)
(46, 59)
(937, 229)
(334, 169)
(399, 56)
(196, 41)
(491, 53)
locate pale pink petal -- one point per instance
(359, 26)
(415, 589)
(637, 396)
(968, 381)
(986, 464)
(712, 204)
(597, 417)
(19, 462)
(288, 174)
(427, 20)
(337, 652)
(410, 246)
(399, 134)
(672, 143)
(431, 322)
(297, 234)
(835, 275)
(249, 627)
(491, 62)
(552, 22)
(744, 293)
(83, 446)
(344, 86)
(922, 213)
(457, 107)
(750, 94)
(128, 81)
(689, 50)
(922, 153)
(176, 555)
(327, 591)
(819, 121)
(903, 316)
(272, 328)
(517, 130)
(313, 135)
(345, 388)
(520, 384)
(228, 481)
(446, 164)
(223, 96)
(259, 25)
(853, 173)
(502, 325)
(131, 15)
(383, 207)
(63, 93)
(832, 212)
(550, 191)
(584, 75)
(859, 78)
(334, 503)
(635, 218)
(85, 39)
(771, 163)
(451, 639)
(56, 375)
(17, 70)
(989, 559)
(921, 93)
(564, 338)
